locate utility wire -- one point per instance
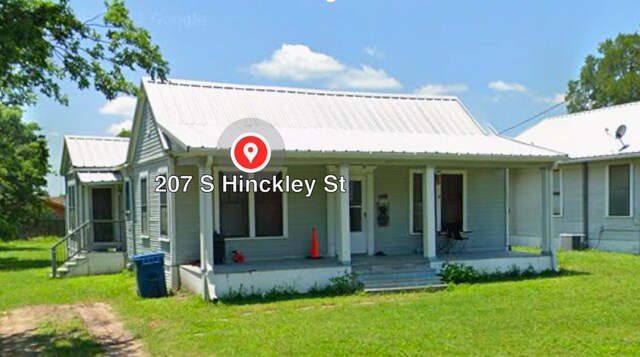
(533, 117)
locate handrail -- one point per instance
(71, 251)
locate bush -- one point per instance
(461, 273)
(458, 273)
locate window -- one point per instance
(71, 204)
(127, 196)
(164, 216)
(557, 193)
(416, 203)
(619, 190)
(252, 214)
(144, 207)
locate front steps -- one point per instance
(395, 274)
(93, 263)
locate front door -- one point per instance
(451, 202)
(102, 214)
(357, 215)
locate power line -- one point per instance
(533, 117)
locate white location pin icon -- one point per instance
(250, 150)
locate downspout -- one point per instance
(585, 202)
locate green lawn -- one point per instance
(593, 308)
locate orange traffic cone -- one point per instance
(315, 254)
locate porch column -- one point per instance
(205, 200)
(343, 238)
(331, 217)
(546, 221)
(429, 213)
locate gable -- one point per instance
(147, 144)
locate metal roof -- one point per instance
(195, 113)
(96, 151)
(590, 133)
(99, 177)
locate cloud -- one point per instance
(364, 77)
(300, 63)
(297, 62)
(115, 128)
(374, 52)
(507, 87)
(441, 88)
(121, 106)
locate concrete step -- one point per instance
(400, 283)
(396, 275)
(433, 287)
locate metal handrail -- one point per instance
(79, 240)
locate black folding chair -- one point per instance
(456, 238)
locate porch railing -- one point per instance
(68, 247)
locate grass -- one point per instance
(68, 337)
(593, 308)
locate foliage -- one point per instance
(609, 78)
(343, 284)
(23, 166)
(124, 133)
(583, 311)
(462, 273)
(43, 42)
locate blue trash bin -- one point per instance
(150, 274)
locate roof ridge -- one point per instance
(585, 112)
(299, 90)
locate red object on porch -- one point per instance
(238, 257)
(315, 254)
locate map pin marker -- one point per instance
(250, 150)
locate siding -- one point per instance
(148, 145)
(304, 213)
(486, 214)
(571, 219)
(187, 218)
(394, 238)
(525, 191)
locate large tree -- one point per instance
(42, 43)
(23, 166)
(609, 78)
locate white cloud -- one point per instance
(300, 63)
(507, 87)
(364, 77)
(441, 88)
(121, 106)
(115, 128)
(557, 98)
(374, 52)
(297, 62)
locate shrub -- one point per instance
(461, 273)
(458, 273)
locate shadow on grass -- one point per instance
(11, 263)
(8, 248)
(36, 343)
(511, 276)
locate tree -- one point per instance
(612, 77)
(42, 42)
(23, 166)
(124, 133)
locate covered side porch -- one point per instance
(383, 218)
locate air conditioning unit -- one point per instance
(572, 241)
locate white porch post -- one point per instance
(429, 213)
(205, 201)
(344, 235)
(546, 221)
(331, 218)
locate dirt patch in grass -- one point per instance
(88, 329)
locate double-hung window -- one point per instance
(416, 206)
(71, 204)
(251, 213)
(144, 206)
(164, 214)
(619, 190)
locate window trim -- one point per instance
(71, 184)
(144, 175)
(561, 176)
(251, 203)
(606, 191)
(163, 237)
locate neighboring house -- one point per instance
(415, 166)
(55, 205)
(594, 194)
(95, 242)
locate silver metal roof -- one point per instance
(590, 133)
(96, 151)
(195, 114)
(99, 177)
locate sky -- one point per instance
(506, 60)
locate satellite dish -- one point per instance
(622, 129)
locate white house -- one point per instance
(594, 192)
(420, 170)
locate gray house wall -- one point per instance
(486, 213)
(605, 233)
